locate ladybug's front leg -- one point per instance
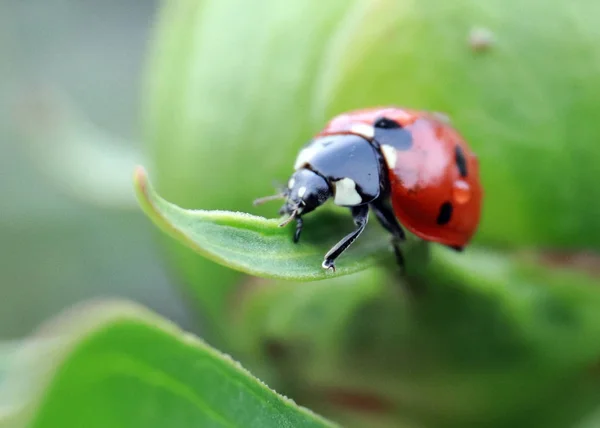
(361, 216)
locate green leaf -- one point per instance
(114, 364)
(257, 245)
(487, 340)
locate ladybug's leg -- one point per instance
(398, 254)
(388, 220)
(361, 216)
(299, 224)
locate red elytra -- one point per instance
(435, 187)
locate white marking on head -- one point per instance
(291, 183)
(363, 129)
(390, 155)
(305, 156)
(301, 191)
(345, 193)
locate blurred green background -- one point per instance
(56, 248)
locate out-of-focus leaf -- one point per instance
(257, 245)
(481, 339)
(116, 364)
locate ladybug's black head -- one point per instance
(306, 191)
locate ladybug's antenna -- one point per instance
(264, 199)
(289, 219)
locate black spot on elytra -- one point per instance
(390, 133)
(445, 214)
(385, 123)
(461, 161)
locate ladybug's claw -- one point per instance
(328, 264)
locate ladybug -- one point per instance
(411, 168)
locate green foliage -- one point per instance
(489, 340)
(258, 246)
(512, 337)
(116, 364)
(493, 338)
(235, 88)
(488, 337)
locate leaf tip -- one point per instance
(140, 178)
